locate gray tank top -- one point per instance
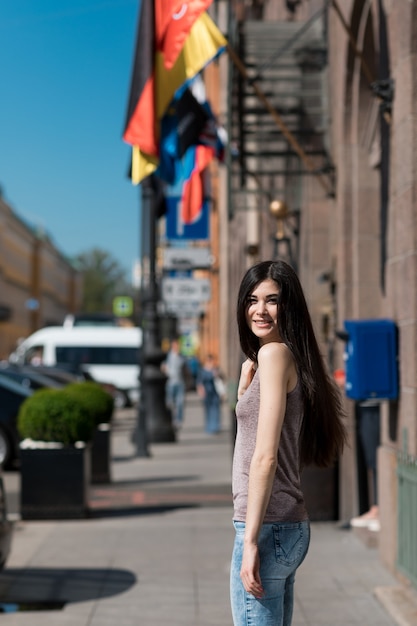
(287, 501)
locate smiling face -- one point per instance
(262, 311)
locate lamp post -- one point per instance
(279, 210)
(154, 423)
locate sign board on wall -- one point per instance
(175, 227)
(186, 258)
(184, 309)
(186, 289)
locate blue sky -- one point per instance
(65, 72)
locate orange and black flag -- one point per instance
(175, 41)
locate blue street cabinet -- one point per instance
(371, 359)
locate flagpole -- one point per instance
(154, 418)
(140, 437)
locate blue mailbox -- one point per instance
(371, 359)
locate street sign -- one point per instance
(122, 306)
(175, 227)
(186, 258)
(180, 308)
(186, 289)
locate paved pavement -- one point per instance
(156, 549)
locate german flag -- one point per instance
(141, 97)
(173, 45)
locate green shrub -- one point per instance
(98, 402)
(54, 415)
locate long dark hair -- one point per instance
(323, 433)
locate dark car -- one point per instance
(29, 376)
(12, 394)
(58, 374)
(67, 376)
(6, 527)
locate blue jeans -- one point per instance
(212, 414)
(175, 395)
(282, 548)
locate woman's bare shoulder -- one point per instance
(276, 361)
(274, 350)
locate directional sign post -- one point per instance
(186, 289)
(186, 258)
(183, 308)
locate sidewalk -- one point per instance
(157, 547)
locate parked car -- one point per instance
(66, 376)
(41, 376)
(6, 527)
(29, 376)
(12, 394)
(61, 375)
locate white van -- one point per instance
(109, 354)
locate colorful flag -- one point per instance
(174, 20)
(190, 139)
(181, 127)
(153, 85)
(193, 193)
(188, 185)
(141, 97)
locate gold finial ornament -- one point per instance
(278, 208)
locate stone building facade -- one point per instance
(38, 285)
(352, 217)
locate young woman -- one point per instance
(289, 415)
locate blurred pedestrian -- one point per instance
(368, 412)
(289, 415)
(174, 367)
(208, 388)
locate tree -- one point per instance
(103, 279)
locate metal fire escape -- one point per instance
(288, 63)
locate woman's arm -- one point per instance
(276, 366)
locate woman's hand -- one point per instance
(249, 572)
(247, 372)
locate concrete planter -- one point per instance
(55, 482)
